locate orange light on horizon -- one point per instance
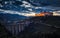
(40, 14)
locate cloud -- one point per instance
(16, 12)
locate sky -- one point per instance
(25, 8)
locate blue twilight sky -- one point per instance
(22, 7)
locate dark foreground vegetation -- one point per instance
(3, 32)
(36, 29)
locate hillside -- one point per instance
(36, 29)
